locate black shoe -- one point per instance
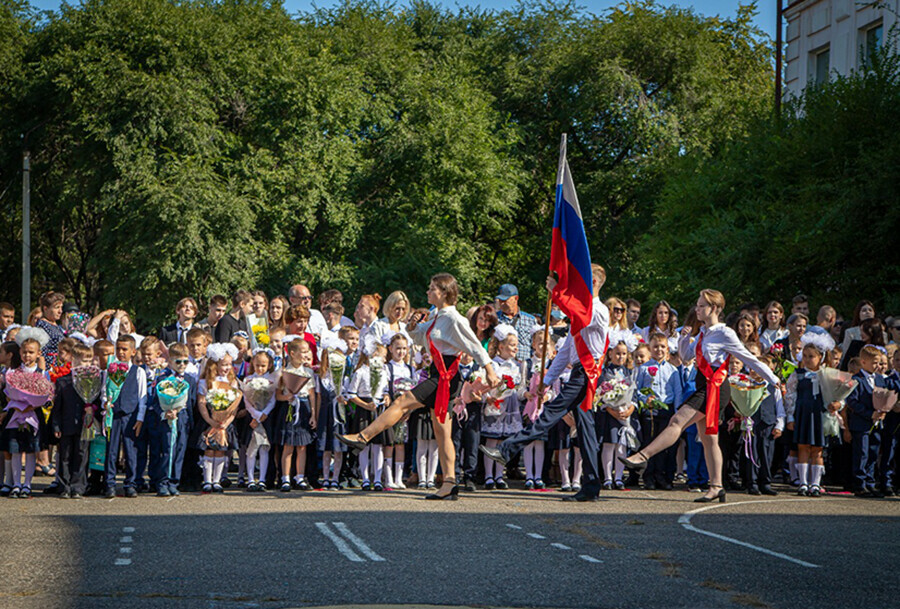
(863, 494)
(666, 486)
(501, 484)
(163, 492)
(131, 492)
(635, 465)
(75, 495)
(581, 497)
(453, 495)
(109, 493)
(224, 482)
(649, 485)
(753, 490)
(720, 496)
(493, 454)
(768, 490)
(470, 486)
(875, 493)
(889, 491)
(352, 441)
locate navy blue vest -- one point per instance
(127, 402)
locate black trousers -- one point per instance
(73, 464)
(568, 400)
(763, 450)
(466, 437)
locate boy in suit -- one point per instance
(67, 419)
(862, 419)
(891, 439)
(186, 310)
(128, 412)
(165, 459)
(768, 423)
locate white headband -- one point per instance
(264, 350)
(217, 351)
(503, 331)
(823, 342)
(29, 332)
(334, 343)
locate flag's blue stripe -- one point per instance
(572, 230)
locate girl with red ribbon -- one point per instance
(446, 333)
(713, 348)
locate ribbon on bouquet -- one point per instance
(23, 414)
(747, 439)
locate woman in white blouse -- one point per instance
(446, 333)
(715, 344)
(774, 326)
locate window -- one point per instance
(821, 65)
(870, 41)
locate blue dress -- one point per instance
(808, 410)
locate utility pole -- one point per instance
(778, 60)
(26, 235)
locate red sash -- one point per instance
(442, 399)
(714, 380)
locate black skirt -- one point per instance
(426, 391)
(364, 417)
(698, 400)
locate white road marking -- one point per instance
(125, 550)
(589, 558)
(121, 562)
(535, 536)
(126, 539)
(359, 543)
(560, 546)
(128, 529)
(685, 521)
(339, 543)
(514, 526)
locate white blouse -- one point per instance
(451, 334)
(720, 342)
(361, 384)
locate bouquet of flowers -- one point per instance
(258, 391)
(337, 366)
(294, 378)
(26, 391)
(784, 367)
(260, 333)
(535, 403)
(115, 378)
(652, 403)
(87, 382)
(831, 424)
(616, 394)
(376, 369)
(747, 394)
(173, 393)
(494, 397)
(223, 400)
(835, 385)
(883, 400)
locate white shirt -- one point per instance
(720, 342)
(316, 324)
(112, 334)
(451, 334)
(767, 338)
(361, 384)
(182, 331)
(594, 336)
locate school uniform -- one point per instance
(866, 435)
(467, 434)
(67, 420)
(509, 419)
(330, 421)
(22, 438)
(399, 379)
(665, 382)
(166, 457)
(806, 407)
(129, 408)
(295, 426)
(609, 428)
(142, 445)
(697, 474)
(890, 446)
(361, 387)
(769, 417)
(174, 333)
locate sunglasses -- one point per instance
(618, 310)
(178, 362)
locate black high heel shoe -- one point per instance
(453, 495)
(720, 496)
(356, 445)
(635, 466)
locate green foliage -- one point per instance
(807, 203)
(199, 146)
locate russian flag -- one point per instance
(570, 259)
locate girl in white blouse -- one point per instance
(715, 345)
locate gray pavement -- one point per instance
(501, 549)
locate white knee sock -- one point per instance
(539, 460)
(263, 463)
(606, 457)
(816, 472)
(364, 457)
(792, 468)
(803, 473)
(8, 472)
(620, 467)
(488, 468)
(378, 458)
(17, 469)
(576, 475)
(432, 460)
(206, 464)
(218, 468)
(398, 473)
(564, 467)
(529, 461)
(338, 463)
(389, 472)
(422, 459)
(251, 466)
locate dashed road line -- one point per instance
(535, 536)
(560, 546)
(514, 526)
(685, 521)
(589, 558)
(555, 544)
(125, 549)
(359, 543)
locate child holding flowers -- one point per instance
(502, 416)
(615, 422)
(332, 418)
(367, 391)
(218, 398)
(299, 405)
(259, 400)
(804, 405)
(399, 379)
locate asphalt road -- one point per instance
(501, 549)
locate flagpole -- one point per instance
(559, 175)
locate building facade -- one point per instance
(825, 37)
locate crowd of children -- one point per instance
(253, 397)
